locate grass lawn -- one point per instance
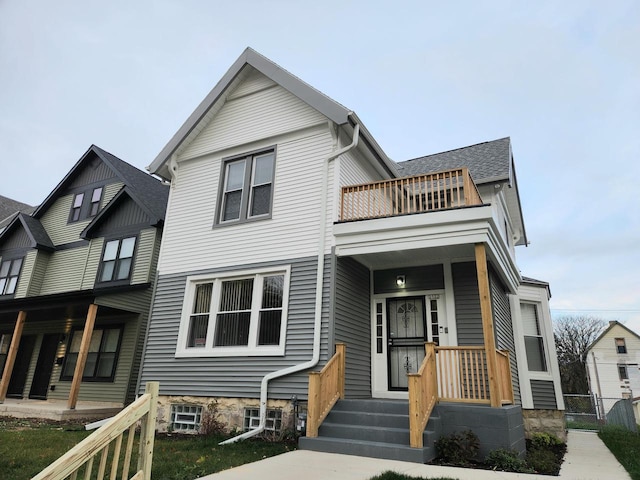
(400, 476)
(625, 445)
(26, 447)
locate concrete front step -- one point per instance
(372, 428)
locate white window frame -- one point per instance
(541, 335)
(252, 349)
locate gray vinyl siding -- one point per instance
(19, 239)
(89, 175)
(429, 277)
(127, 214)
(352, 324)
(235, 376)
(467, 302)
(544, 394)
(504, 327)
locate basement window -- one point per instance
(273, 422)
(186, 418)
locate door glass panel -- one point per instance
(406, 337)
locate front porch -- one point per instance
(452, 391)
(58, 409)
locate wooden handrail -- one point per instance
(408, 195)
(80, 459)
(325, 388)
(423, 395)
(504, 376)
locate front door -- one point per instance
(21, 366)
(401, 326)
(44, 367)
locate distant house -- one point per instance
(613, 361)
(76, 278)
(9, 208)
(290, 233)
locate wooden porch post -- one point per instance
(82, 355)
(487, 324)
(11, 355)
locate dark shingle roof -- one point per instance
(9, 207)
(147, 189)
(487, 162)
(37, 231)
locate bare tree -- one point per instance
(573, 335)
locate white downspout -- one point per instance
(315, 357)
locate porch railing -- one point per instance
(423, 395)
(325, 388)
(456, 374)
(404, 196)
(80, 461)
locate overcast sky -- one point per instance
(562, 79)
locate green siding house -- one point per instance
(76, 279)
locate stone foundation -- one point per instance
(230, 410)
(546, 421)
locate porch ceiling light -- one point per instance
(400, 280)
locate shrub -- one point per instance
(209, 423)
(507, 461)
(458, 448)
(545, 440)
(545, 453)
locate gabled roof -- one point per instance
(487, 161)
(150, 191)
(537, 283)
(9, 208)
(333, 110)
(124, 193)
(34, 230)
(612, 324)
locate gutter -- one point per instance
(315, 357)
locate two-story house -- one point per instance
(613, 361)
(76, 279)
(290, 235)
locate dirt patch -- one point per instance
(13, 423)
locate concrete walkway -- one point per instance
(587, 458)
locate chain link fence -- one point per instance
(592, 411)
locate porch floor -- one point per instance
(57, 409)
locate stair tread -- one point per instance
(362, 442)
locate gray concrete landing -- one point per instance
(57, 409)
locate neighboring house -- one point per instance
(76, 279)
(9, 208)
(612, 365)
(289, 231)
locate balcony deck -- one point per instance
(409, 195)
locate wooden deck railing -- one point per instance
(404, 196)
(79, 462)
(453, 374)
(325, 388)
(423, 395)
(504, 376)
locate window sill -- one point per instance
(540, 376)
(275, 351)
(242, 221)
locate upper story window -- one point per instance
(84, 205)
(117, 260)
(623, 373)
(235, 315)
(102, 358)
(9, 273)
(247, 187)
(533, 338)
(621, 346)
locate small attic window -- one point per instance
(96, 196)
(76, 207)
